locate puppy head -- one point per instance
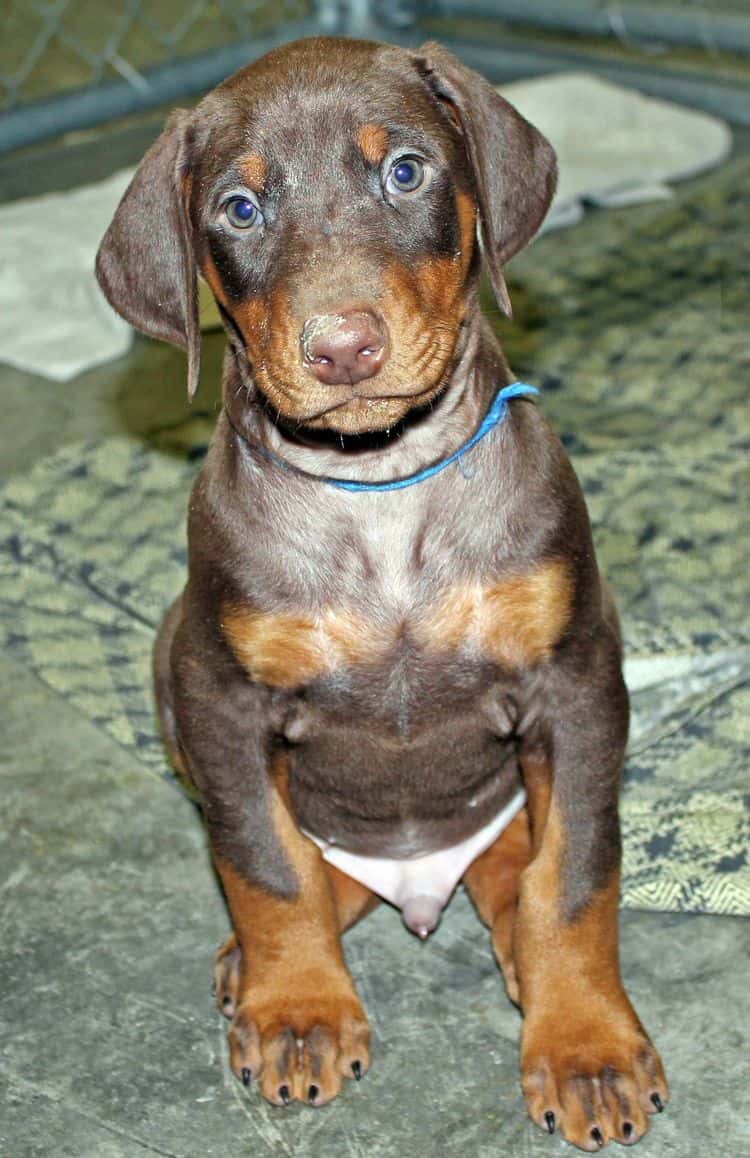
(330, 195)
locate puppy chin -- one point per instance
(364, 415)
(357, 414)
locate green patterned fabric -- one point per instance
(634, 326)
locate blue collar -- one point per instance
(494, 415)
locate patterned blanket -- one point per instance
(634, 326)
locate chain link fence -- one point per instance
(70, 64)
(694, 52)
(50, 47)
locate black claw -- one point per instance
(549, 1118)
(312, 1093)
(627, 1129)
(284, 1095)
(657, 1102)
(596, 1134)
(357, 1070)
(246, 1076)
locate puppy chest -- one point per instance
(514, 622)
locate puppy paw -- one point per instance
(594, 1082)
(301, 1045)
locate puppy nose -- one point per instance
(341, 348)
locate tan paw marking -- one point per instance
(300, 1048)
(595, 1086)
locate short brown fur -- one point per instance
(212, 279)
(517, 621)
(597, 1055)
(373, 142)
(286, 651)
(309, 993)
(254, 171)
(379, 670)
(492, 883)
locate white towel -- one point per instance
(614, 147)
(54, 320)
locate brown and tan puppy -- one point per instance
(363, 683)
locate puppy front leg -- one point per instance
(587, 1065)
(297, 1025)
(352, 902)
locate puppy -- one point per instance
(394, 665)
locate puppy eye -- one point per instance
(405, 175)
(242, 213)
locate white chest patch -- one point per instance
(422, 886)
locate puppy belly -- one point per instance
(421, 886)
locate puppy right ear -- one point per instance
(145, 264)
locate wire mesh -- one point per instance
(49, 47)
(70, 64)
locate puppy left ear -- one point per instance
(145, 264)
(514, 166)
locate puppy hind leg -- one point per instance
(492, 882)
(352, 900)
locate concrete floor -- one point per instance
(109, 1042)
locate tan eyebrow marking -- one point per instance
(254, 171)
(373, 142)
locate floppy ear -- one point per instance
(514, 165)
(145, 264)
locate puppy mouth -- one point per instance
(376, 404)
(417, 368)
(359, 403)
(354, 415)
(361, 421)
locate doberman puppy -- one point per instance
(394, 664)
